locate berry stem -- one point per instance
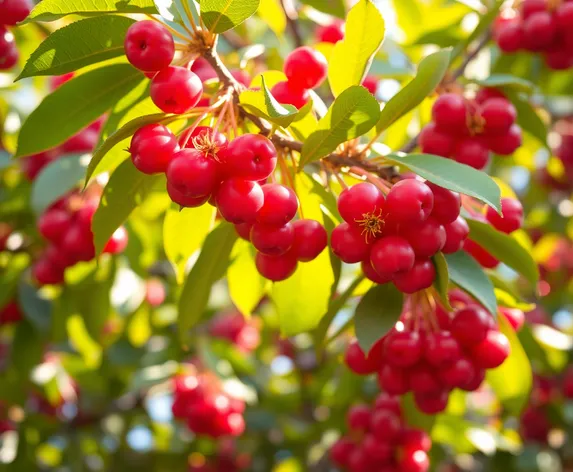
(377, 181)
(173, 31)
(292, 21)
(189, 14)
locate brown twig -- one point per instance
(292, 21)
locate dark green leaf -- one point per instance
(332, 7)
(210, 267)
(126, 189)
(377, 313)
(506, 81)
(442, 278)
(77, 45)
(223, 15)
(36, 308)
(528, 118)
(414, 417)
(27, 348)
(504, 248)
(74, 105)
(51, 10)
(430, 73)
(352, 114)
(452, 175)
(10, 275)
(351, 58)
(468, 274)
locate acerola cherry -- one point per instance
(484, 258)
(403, 349)
(184, 200)
(149, 46)
(59, 258)
(370, 83)
(499, 114)
(8, 49)
(203, 138)
(193, 173)
(176, 89)
(560, 57)
(272, 240)
(341, 450)
(310, 239)
(511, 217)
(373, 448)
(348, 244)
(563, 17)
(415, 461)
(423, 380)
(45, 273)
(358, 417)
(433, 140)
(392, 255)
(506, 144)
(280, 206)
(79, 242)
(393, 380)
(53, 224)
(239, 200)
(441, 348)
(409, 201)
(244, 230)
(419, 277)
(331, 33)
(372, 275)
(118, 241)
(470, 325)
(416, 439)
(10, 313)
(447, 204)
(515, 316)
(486, 93)
(357, 361)
(529, 7)
(456, 234)
(539, 30)
(459, 374)
(471, 151)
(430, 404)
(361, 205)
(385, 425)
(288, 94)
(152, 148)
(276, 268)
(14, 11)
(250, 156)
(510, 38)
(305, 67)
(84, 141)
(492, 351)
(426, 238)
(476, 381)
(450, 113)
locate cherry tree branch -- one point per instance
(292, 17)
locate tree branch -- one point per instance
(292, 17)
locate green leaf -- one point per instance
(36, 308)
(223, 15)
(414, 417)
(512, 381)
(506, 81)
(10, 275)
(210, 267)
(262, 103)
(351, 58)
(56, 179)
(504, 248)
(77, 45)
(452, 175)
(127, 188)
(527, 117)
(183, 233)
(51, 10)
(74, 105)
(468, 274)
(352, 114)
(272, 13)
(376, 314)
(442, 281)
(430, 73)
(246, 286)
(332, 7)
(169, 9)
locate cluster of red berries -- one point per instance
(379, 441)
(66, 226)
(150, 48)
(305, 68)
(11, 13)
(540, 26)
(429, 353)
(10, 313)
(235, 328)
(199, 399)
(395, 237)
(467, 130)
(226, 459)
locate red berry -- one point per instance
(476, 381)
(176, 89)
(506, 144)
(409, 201)
(79, 242)
(276, 268)
(357, 361)
(385, 425)
(392, 255)
(510, 38)
(484, 258)
(84, 141)
(370, 83)
(511, 217)
(348, 244)
(361, 203)
(193, 173)
(58, 80)
(358, 417)
(372, 275)
(563, 17)
(14, 11)
(539, 30)
(473, 152)
(241, 76)
(288, 94)
(272, 240)
(423, 380)
(305, 67)
(560, 57)
(419, 277)
(359, 461)
(59, 258)
(459, 374)
(280, 206)
(331, 33)
(183, 200)
(416, 439)
(529, 7)
(514, 316)
(152, 148)
(46, 273)
(456, 234)
(8, 49)
(53, 224)
(310, 239)
(430, 404)
(388, 402)
(250, 156)
(499, 114)
(447, 204)
(149, 46)
(441, 348)
(450, 113)
(471, 324)
(203, 138)
(433, 140)
(486, 93)
(403, 349)
(239, 200)
(341, 450)
(244, 230)
(393, 380)
(118, 241)
(426, 238)
(375, 449)
(492, 351)
(415, 461)
(10, 313)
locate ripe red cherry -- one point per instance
(484, 258)
(456, 234)
(511, 38)
(472, 152)
(348, 244)
(118, 241)
(239, 200)
(560, 57)
(357, 361)
(276, 268)
(358, 417)
(499, 114)
(288, 94)
(441, 348)
(341, 450)
(203, 138)
(492, 351)
(359, 460)
(244, 230)
(414, 461)
(10, 313)
(423, 380)
(280, 206)
(372, 275)
(14, 11)
(385, 425)
(392, 255)
(193, 173)
(373, 448)
(45, 273)
(514, 316)
(419, 277)
(450, 113)
(79, 242)
(426, 238)
(529, 7)
(250, 156)
(415, 439)
(184, 200)
(310, 239)
(8, 49)
(331, 33)
(360, 203)
(506, 144)
(53, 224)
(176, 89)
(459, 374)
(84, 141)
(470, 325)
(433, 140)
(511, 217)
(403, 349)
(564, 17)
(393, 380)
(447, 204)
(149, 46)
(430, 404)
(305, 67)
(272, 240)
(486, 93)
(152, 148)
(410, 201)
(370, 83)
(388, 402)
(539, 30)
